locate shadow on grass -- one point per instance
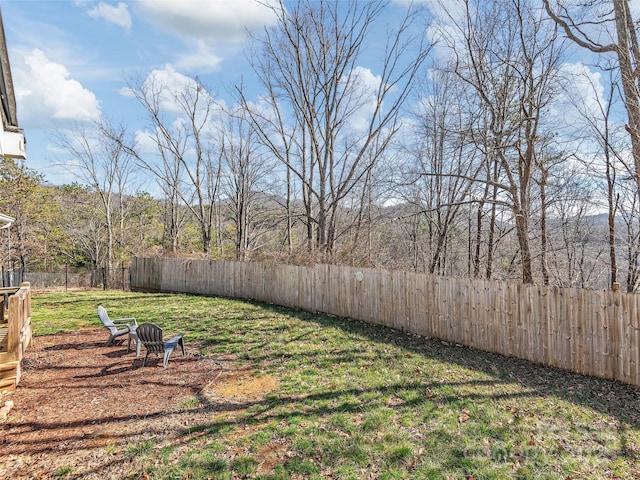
(609, 397)
(74, 346)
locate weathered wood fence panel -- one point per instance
(586, 331)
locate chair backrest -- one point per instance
(151, 337)
(104, 317)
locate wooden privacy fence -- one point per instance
(586, 331)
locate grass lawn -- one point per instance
(357, 401)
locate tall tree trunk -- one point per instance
(522, 229)
(543, 226)
(628, 57)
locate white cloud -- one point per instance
(169, 87)
(367, 81)
(47, 96)
(168, 83)
(364, 86)
(145, 143)
(579, 109)
(115, 14)
(164, 84)
(206, 25)
(217, 21)
(202, 60)
(439, 8)
(583, 94)
(447, 17)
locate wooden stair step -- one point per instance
(8, 383)
(8, 374)
(9, 365)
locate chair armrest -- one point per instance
(122, 325)
(126, 321)
(174, 339)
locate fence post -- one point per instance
(104, 278)
(66, 277)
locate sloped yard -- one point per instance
(266, 392)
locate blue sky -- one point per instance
(70, 59)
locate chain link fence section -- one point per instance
(116, 278)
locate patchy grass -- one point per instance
(360, 401)
(63, 472)
(190, 403)
(140, 448)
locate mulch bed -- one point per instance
(80, 404)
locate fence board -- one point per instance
(586, 331)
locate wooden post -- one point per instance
(13, 332)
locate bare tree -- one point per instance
(98, 159)
(602, 147)
(630, 214)
(327, 119)
(245, 177)
(181, 122)
(85, 230)
(441, 166)
(586, 24)
(509, 55)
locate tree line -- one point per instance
(476, 147)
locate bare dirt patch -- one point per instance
(240, 384)
(81, 406)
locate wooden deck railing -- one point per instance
(15, 334)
